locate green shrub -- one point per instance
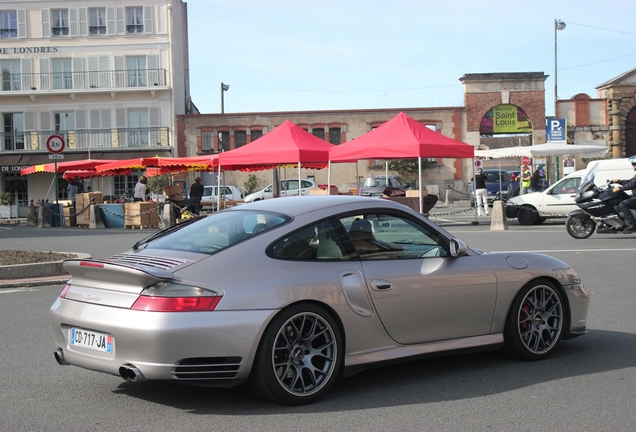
(6, 198)
(250, 185)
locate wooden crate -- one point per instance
(139, 214)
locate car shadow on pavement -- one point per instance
(431, 380)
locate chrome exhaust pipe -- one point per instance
(130, 373)
(59, 357)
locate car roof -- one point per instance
(297, 205)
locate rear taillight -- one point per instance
(65, 290)
(176, 304)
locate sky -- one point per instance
(304, 55)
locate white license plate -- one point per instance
(91, 339)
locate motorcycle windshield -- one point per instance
(589, 177)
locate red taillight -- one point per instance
(176, 304)
(91, 264)
(65, 290)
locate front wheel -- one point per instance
(580, 226)
(299, 356)
(528, 216)
(535, 321)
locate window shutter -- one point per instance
(120, 73)
(78, 78)
(153, 74)
(45, 120)
(22, 29)
(148, 19)
(29, 121)
(120, 118)
(153, 117)
(121, 24)
(26, 69)
(94, 117)
(106, 118)
(111, 25)
(119, 63)
(46, 28)
(73, 18)
(45, 77)
(83, 22)
(80, 119)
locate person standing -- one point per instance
(196, 193)
(140, 189)
(534, 181)
(74, 187)
(526, 176)
(481, 193)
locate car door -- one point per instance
(560, 199)
(420, 292)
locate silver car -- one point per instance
(288, 295)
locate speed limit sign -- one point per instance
(55, 144)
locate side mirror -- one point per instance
(457, 248)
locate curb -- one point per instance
(36, 274)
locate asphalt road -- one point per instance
(587, 385)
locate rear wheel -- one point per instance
(535, 321)
(528, 216)
(299, 356)
(580, 226)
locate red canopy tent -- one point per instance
(402, 137)
(286, 144)
(128, 164)
(85, 174)
(86, 164)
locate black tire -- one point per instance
(527, 216)
(535, 321)
(580, 227)
(299, 356)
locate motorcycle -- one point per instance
(598, 209)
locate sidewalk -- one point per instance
(35, 281)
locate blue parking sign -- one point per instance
(556, 130)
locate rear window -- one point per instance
(219, 231)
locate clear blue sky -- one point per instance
(297, 55)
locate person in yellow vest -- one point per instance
(526, 177)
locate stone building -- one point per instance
(110, 77)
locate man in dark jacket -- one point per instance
(196, 193)
(629, 203)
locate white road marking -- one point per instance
(6, 291)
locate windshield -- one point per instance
(589, 177)
(219, 231)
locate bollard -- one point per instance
(448, 200)
(168, 217)
(96, 218)
(498, 221)
(44, 217)
(32, 215)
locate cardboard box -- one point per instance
(171, 190)
(141, 213)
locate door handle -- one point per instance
(382, 285)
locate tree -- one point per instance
(408, 169)
(251, 184)
(156, 183)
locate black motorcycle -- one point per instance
(598, 208)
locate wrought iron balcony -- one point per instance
(119, 79)
(93, 139)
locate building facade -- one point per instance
(110, 77)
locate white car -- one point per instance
(558, 200)
(287, 188)
(211, 195)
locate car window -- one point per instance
(397, 182)
(567, 186)
(219, 231)
(492, 176)
(307, 184)
(391, 236)
(325, 240)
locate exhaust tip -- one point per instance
(59, 357)
(130, 373)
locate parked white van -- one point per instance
(559, 199)
(210, 198)
(287, 188)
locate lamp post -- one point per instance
(224, 88)
(558, 25)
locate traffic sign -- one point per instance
(525, 160)
(55, 144)
(477, 163)
(56, 156)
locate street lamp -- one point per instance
(558, 25)
(224, 88)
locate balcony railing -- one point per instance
(94, 139)
(83, 80)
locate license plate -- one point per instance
(91, 339)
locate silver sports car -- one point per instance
(288, 295)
